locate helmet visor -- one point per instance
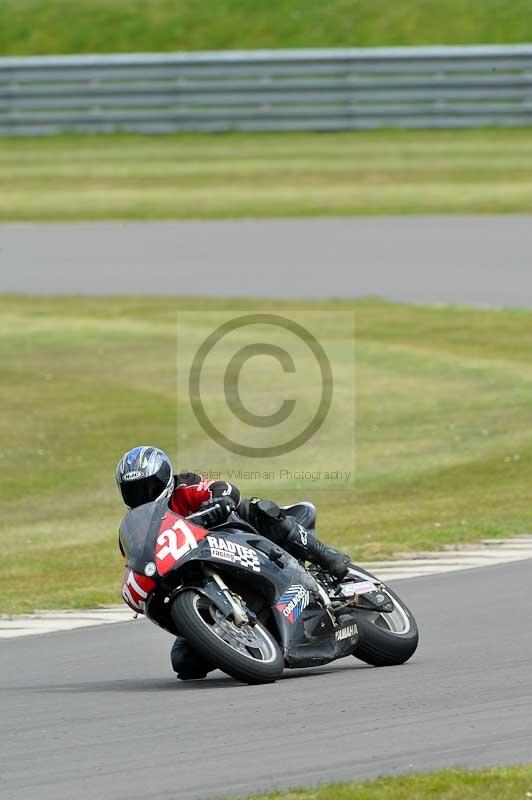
(144, 490)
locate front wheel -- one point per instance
(247, 653)
(387, 639)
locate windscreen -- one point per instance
(134, 530)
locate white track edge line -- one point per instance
(489, 553)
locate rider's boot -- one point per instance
(188, 665)
(297, 540)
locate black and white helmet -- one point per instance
(144, 474)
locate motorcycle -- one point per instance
(247, 606)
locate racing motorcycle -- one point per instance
(247, 606)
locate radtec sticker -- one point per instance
(226, 550)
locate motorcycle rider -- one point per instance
(145, 473)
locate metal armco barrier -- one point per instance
(275, 90)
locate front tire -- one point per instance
(249, 654)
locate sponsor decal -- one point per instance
(227, 550)
(150, 569)
(132, 476)
(136, 589)
(292, 602)
(303, 535)
(357, 587)
(346, 633)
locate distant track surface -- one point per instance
(476, 260)
(97, 713)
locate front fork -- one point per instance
(237, 611)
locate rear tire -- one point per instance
(202, 625)
(381, 646)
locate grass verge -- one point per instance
(443, 449)
(104, 26)
(265, 175)
(503, 783)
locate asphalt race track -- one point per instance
(474, 260)
(96, 713)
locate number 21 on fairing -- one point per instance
(173, 543)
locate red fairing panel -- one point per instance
(177, 537)
(135, 590)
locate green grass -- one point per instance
(265, 175)
(444, 441)
(101, 26)
(503, 783)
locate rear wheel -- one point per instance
(387, 639)
(247, 653)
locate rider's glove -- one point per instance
(218, 509)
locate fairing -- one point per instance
(305, 630)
